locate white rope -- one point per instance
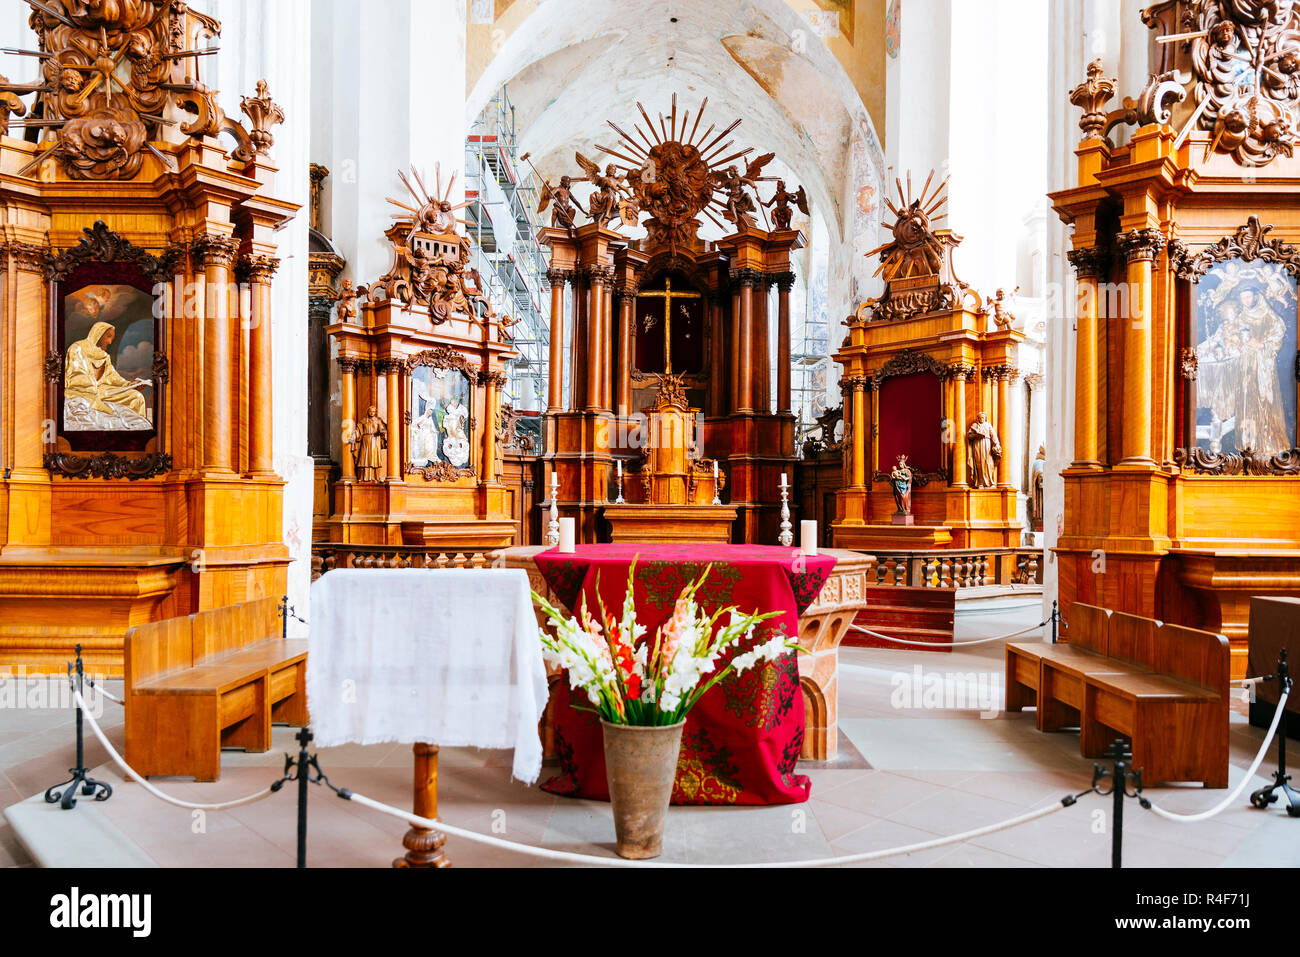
(953, 644)
(105, 692)
(435, 824)
(1241, 786)
(131, 772)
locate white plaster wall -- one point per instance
(269, 41)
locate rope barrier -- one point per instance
(104, 691)
(1241, 785)
(436, 824)
(139, 779)
(955, 644)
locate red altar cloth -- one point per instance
(743, 738)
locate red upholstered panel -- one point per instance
(911, 421)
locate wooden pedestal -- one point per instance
(671, 523)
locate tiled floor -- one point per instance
(907, 775)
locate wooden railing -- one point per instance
(975, 568)
(328, 557)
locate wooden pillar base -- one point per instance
(424, 845)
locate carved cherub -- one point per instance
(1002, 317)
(783, 215)
(347, 301)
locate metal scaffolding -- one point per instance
(503, 227)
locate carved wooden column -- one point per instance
(492, 383)
(1089, 264)
(717, 357)
(348, 367)
(217, 254)
(391, 370)
(626, 297)
(595, 286)
(856, 386)
(604, 282)
(960, 373)
(737, 399)
(1140, 247)
(1004, 376)
(577, 373)
(748, 279)
(261, 269)
(762, 350)
(555, 392)
(784, 283)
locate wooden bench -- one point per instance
(214, 680)
(1165, 687)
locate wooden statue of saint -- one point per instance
(782, 214)
(369, 441)
(985, 450)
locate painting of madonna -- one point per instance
(111, 332)
(1246, 388)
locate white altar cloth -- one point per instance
(447, 657)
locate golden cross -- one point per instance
(668, 296)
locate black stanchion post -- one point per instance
(284, 617)
(304, 738)
(1056, 617)
(65, 795)
(1281, 779)
(1119, 776)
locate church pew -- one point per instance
(1176, 715)
(1062, 690)
(214, 680)
(1056, 692)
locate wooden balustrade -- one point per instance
(958, 569)
(327, 558)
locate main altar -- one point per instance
(1181, 502)
(671, 308)
(927, 373)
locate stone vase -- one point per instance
(640, 766)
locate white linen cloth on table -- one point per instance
(447, 657)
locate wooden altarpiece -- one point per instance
(921, 366)
(421, 354)
(136, 259)
(1182, 499)
(671, 304)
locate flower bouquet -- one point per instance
(643, 688)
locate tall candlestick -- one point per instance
(553, 529)
(787, 534)
(717, 499)
(620, 500)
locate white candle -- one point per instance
(568, 535)
(715, 470)
(808, 538)
(620, 468)
(785, 481)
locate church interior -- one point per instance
(360, 361)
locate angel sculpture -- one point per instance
(347, 301)
(783, 215)
(1002, 317)
(564, 202)
(739, 204)
(603, 204)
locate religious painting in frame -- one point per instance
(441, 431)
(107, 367)
(1244, 326)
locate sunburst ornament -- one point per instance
(915, 250)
